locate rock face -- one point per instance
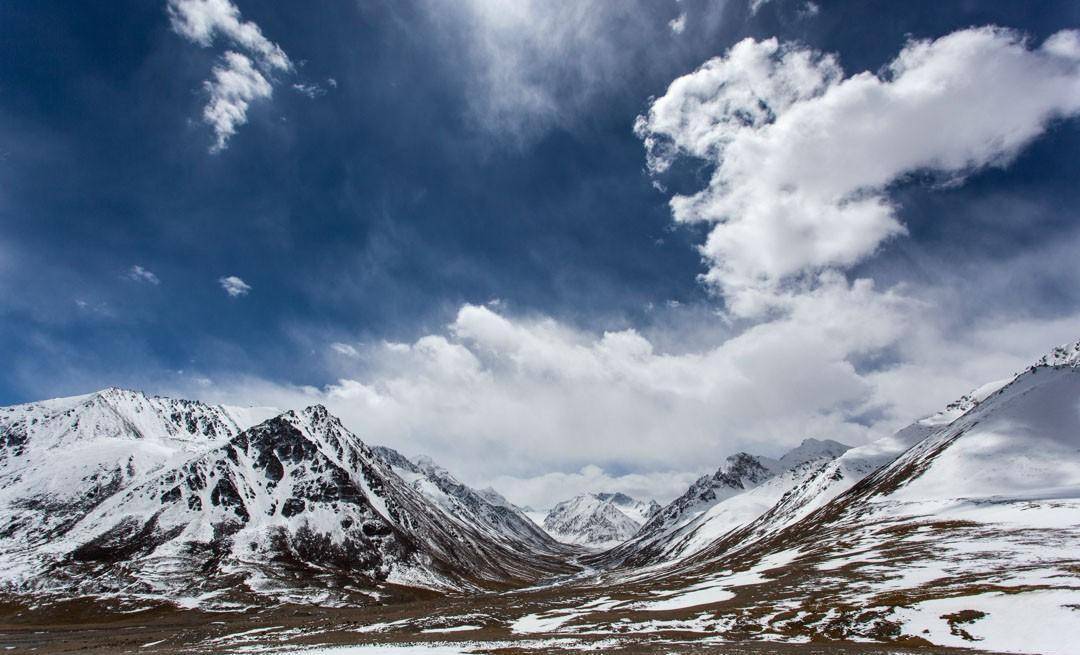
(598, 520)
(116, 492)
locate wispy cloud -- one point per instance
(310, 90)
(532, 65)
(234, 85)
(678, 25)
(140, 274)
(239, 79)
(234, 286)
(345, 349)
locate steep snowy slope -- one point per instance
(808, 487)
(483, 510)
(295, 508)
(598, 520)
(741, 490)
(60, 458)
(970, 536)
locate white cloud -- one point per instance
(541, 410)
(310, 90)
(97, 308)
(238, 79)
(201, 21)
(233, 87)
(678, 25)
(756, 5)
(808, 9)
(345, 349)
(234, 286)
(804, 155)
(140, 274)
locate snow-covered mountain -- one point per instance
(60, 458)
(598, 520)
(974, 524)
(963, 529)
(742, 489)
(119, 493)
(484, 510)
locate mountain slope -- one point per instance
(295, 508)
(970, 536)
(484, 510)
(745, 487)
(60, 458)
(598, 520)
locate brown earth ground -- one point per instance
(88, 626)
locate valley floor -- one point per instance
(437, 626)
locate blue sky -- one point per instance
(439, 219)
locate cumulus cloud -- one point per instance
(238, 79)
(804, 155)
(535, 396)
(140, 274)
(234, 286)
(543, 411)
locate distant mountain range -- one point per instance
(949, 532)
(117, 491)
(598, 520)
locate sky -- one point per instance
(557, 246)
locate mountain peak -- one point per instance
(598, 519)
(119, 391)
(618, 498)
(812, 449)
(1064, 355)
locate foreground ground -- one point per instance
(435, 626)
